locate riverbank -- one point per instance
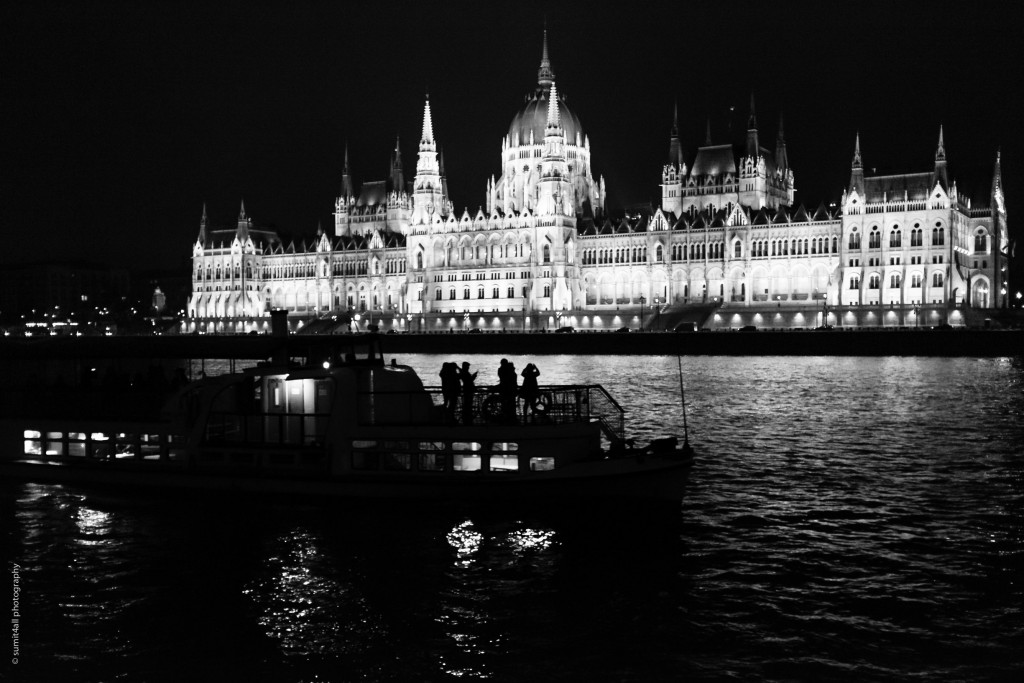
(837, 342)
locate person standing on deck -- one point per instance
(530, 391)
(508, 387)
(468, 389)
(449, 389)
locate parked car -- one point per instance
(565, 330)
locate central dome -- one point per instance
(533, 117)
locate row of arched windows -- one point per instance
(895, 281)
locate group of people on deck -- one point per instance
(456, 382)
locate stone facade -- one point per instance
(544, 252)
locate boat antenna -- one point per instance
(682, 397)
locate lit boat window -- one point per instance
(542, 464)
(33, 447)
(32, 434)
(100, 436)
(364, 444)
(504, 463)
(466, 463)
(465, 446)
(76, 436)
(54, 435)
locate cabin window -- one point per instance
(433, 462)
(365, 461)
(33, 442)
(542, 464)
(466, 463)
(504, 462)
(397, 461)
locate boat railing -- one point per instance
(555, 404)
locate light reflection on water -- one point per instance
(854, 519)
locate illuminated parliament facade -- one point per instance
(727, 244)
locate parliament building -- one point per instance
(726, 248)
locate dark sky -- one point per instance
(121, 119)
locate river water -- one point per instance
(847, 519)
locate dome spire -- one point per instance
(553, 118)
(428, 125)
(545, 75)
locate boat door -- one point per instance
(275, 409)
(296, 407)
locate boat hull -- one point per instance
(660, 477)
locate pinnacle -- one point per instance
(553, 115)
(428, 125)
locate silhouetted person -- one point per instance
(468, 389)
(450, 387)
(508, 387)
(530, 392)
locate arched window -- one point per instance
(875, 240)
(855, 282)
(938, 235)
(854, 240)
(936, 279)
(511, 292)
(547, 290)
(980, 243)
(658, 256)
(479, 292)
(547, 253)
(451, 293)
(437, 294)
(873, 282)
(465, 292)
(894, 280)
(419, 260)
(895, 238)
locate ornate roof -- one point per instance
(533, 117)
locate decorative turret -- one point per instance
(242, 232)
(781, 161)
(941, 174)
(675, 151)
(753, 146)
(428, 190)
(857, 169)
(201, 240)
(1001, 247)
(397, 176)
(346, 179)
(555, 195)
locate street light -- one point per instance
(642, 302)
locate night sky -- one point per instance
(120, 120)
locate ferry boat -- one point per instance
(343, 423)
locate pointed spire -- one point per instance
(675, 152)
(319, 228)
(202, 226)
(940, 153)
(553, 115)
(857, 169)
(346, 178)
(753, 143)
(241, 214)
(428, 125)
(781, 160)
(997, 173)
(545, 75)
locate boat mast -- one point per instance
(682, 397)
